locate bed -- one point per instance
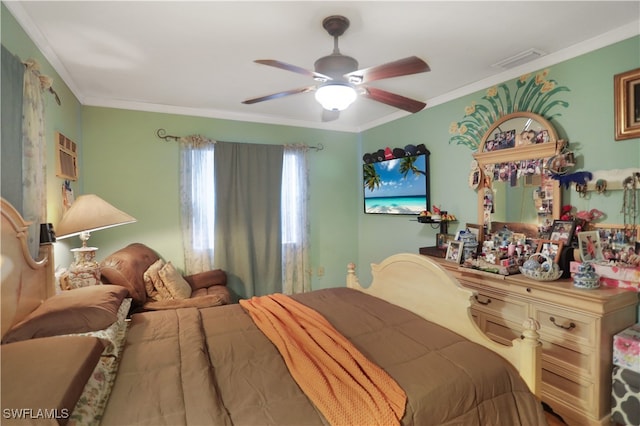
(224, 365)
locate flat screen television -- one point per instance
(397, 186)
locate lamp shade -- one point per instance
(335, 96)
(90, 213)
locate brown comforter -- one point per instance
(214, 366)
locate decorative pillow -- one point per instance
(151, 279)
(111, 335)
(47, 373)
(72, 311)
(177, 286)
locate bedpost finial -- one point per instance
(531, 327)
(352, 278)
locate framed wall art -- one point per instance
(626, 93)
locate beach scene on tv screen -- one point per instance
(396, 186)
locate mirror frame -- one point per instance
(518, 153)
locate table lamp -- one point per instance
(87, 214)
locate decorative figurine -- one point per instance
(586, 277)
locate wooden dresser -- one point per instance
(576, 329)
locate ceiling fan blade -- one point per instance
(330, 115)
(280, 94)
(406, 66)
(293, 68)
(392, 99)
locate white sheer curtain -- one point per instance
(34, 163)
(197, 201)
(295, 225)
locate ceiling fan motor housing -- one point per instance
(336, 65)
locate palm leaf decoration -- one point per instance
(533, 93)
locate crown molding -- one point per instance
(627, 31)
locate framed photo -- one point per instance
(617, 241)
(454, 251)
(478, 231)
(474, 178)
(442, 240)
(551, 248)
(590, 246)
(563, 230)
(626, 94)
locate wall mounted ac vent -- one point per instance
(67, 157)
(519, 59)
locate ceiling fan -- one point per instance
(340, 82)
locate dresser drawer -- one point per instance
(576, 395)
(573, 360)
(565, 328)
(498, 305)
(501, 331)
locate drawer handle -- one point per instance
(565, 327)
(486, 302)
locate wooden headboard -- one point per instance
(24, 281)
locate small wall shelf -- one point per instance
(444, 224)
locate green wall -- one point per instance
(587, 123)
(127, 164)
(122, 160)
(65, 118)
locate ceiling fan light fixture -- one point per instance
(336, 96)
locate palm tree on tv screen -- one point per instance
(407, 164)
(371, 178)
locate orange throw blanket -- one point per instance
(344, 385)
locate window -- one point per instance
(198, 204)
(291, 205)
(203, 197)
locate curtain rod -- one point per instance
(162, 134)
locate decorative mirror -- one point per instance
(513, 162)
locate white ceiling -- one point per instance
(196, 58)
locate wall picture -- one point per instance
(397, 185)
(627, 104)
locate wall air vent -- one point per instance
(67, 157)
(519, 59)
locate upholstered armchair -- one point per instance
(127, 267)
